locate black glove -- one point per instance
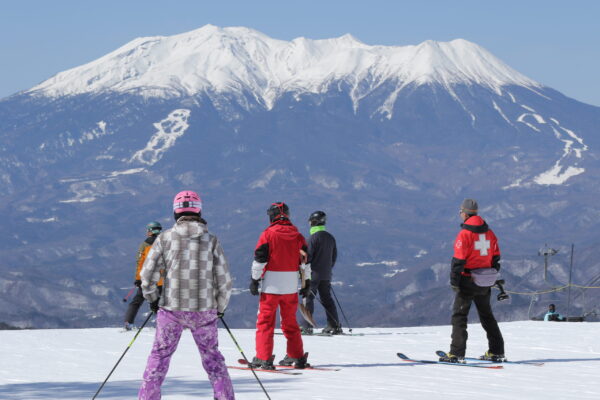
(138, 283)
(220, 314)
(456, 268)
(254, 287)
(496, 263)
(305, 291)
(154, 306)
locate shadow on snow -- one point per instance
(123, 389)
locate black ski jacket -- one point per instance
(322, 251)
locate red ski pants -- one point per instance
(265, 325)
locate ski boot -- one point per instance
(489, 356)
(331, 330)
(306, 331)
(451, 358)
(301, 362)
(257, 363)
(128, 326)
(288, 361)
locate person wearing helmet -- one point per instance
(277, 262)
(552, 314)
(196, 291)
(152, 231)
(322, 252)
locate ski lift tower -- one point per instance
(546, 252)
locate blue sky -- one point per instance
(556, 43)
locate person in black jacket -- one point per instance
(322, 253)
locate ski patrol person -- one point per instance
(473, 272)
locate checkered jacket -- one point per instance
(196, 273)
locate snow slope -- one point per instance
(71, 364)
(241, 60)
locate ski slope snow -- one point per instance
(71, 364)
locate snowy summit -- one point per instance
(241, 60)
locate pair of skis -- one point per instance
(280, 369)
(475, 362)
(327, 334)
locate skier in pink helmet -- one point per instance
(196, 291)
(187, 201)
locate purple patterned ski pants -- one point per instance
(169, 325)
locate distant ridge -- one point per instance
(6, 327)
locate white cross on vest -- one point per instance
(482, 245)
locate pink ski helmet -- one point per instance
(187, 201)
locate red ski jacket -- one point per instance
(279, 247)
(476, 246)
(277, 257)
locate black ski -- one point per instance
(404, 357)
(533, 363)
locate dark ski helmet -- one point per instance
(277, 211)
(155, 227)
(317, 218)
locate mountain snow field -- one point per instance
(238, 59)
(71, 364)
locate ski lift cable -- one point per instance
(556, 289)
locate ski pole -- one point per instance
(243, 355)
(123, 355)
(325, 308)
(341, 309)
(128, 294)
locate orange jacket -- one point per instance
(141, 257)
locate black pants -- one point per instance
(469, 292)
(135, 305)
(323, 288)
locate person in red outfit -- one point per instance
(279, 256)
(474, 271)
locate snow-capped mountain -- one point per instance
(387, 140)
(241, 60)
